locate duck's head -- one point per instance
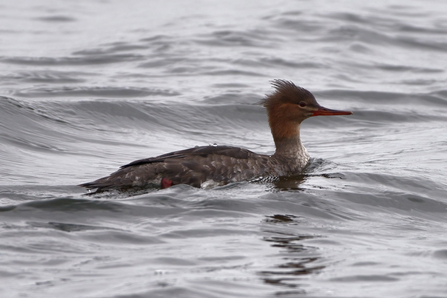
(289, 105)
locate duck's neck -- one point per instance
(291, 149)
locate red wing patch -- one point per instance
(165, 183)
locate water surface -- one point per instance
(88, 86)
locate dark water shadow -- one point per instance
(297, 258)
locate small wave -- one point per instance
(94, 92)
(48, 76)
(432, 99)
(232, 38)
(57, 19)
(86, 60)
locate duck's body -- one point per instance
(219, 165)
(200, 167)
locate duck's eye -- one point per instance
(302, 104)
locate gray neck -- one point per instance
(290, 147)
(291, 153)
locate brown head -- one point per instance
(289, 105)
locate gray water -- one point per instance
(87, 86)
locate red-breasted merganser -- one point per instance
(286, 107)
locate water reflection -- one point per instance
(296, 260)
(289, 182)
(293, 183)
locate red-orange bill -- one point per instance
(322, 111)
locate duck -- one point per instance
(287, 107)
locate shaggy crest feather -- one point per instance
(285, 92)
